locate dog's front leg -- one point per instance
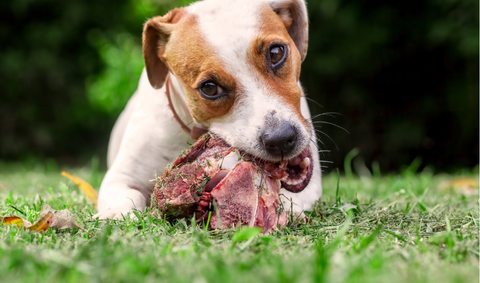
(125, 201)
(126, 185)
(143, 142)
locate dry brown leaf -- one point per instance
(465, 186)
(49, 217)
(40, 226)
(43, 224)
(86, 188)
(10, 220)
(63, 218)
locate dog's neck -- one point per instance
(176, 97)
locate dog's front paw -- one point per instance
(119, 204)
(117, 213)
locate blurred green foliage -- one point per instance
(403, 76)
(121, 54)
(123, 59)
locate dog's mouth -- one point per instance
(294, 173)
(299, 171)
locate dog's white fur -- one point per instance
(146, 138)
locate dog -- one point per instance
(231, 67)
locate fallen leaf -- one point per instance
(10, 220)
(86, 188)
(43, 224)
(460, 183)
(63, 218)
(49, 217)
(40, 226)
(465, 186)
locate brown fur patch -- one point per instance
(193, 60)
(156, 32)
(283, 82)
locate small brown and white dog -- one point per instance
(229, 66)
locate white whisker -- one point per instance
(328, 123)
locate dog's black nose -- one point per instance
(280, 141)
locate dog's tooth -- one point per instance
(305, 163)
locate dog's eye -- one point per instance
(210, 90)
(276, 54)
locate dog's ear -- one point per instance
(294, 15)
(156, 33)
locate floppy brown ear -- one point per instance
(294, 15)
(156, 33)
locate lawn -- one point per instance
(408, 227)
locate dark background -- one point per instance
(403, 78)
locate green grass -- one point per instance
(391, 228)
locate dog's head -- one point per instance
(239, 64)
